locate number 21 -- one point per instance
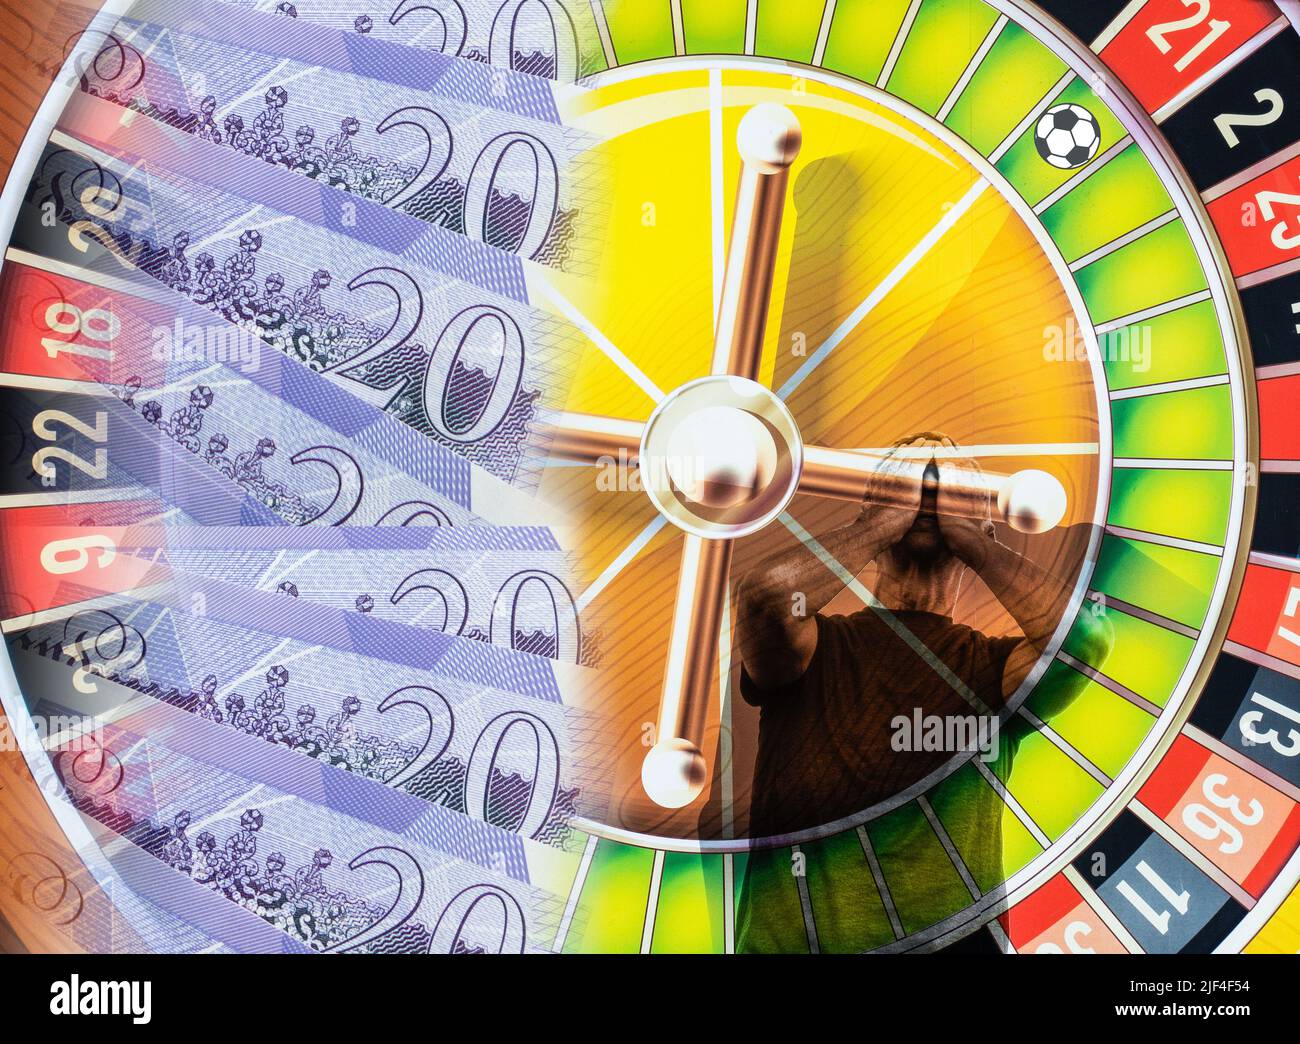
(1159, 34)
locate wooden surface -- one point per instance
(47, 898)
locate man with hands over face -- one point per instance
(830, 687)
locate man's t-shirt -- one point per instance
(824, 747)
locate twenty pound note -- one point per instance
(499, 756)
(557, 39)
(440, 332)
(332, 860)
(481, 152)
(289, 437)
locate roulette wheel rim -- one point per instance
(12, 704)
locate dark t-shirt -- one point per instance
(824, 746)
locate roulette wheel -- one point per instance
(624, 396)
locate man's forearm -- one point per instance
(800, 571)
(1033, 597)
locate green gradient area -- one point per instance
(1035, 178)
(943, 40)
(1176, 346)
(639, 29)
(1051, 788)
(787, 29)
(921, 879)
(714, 26)
(957, 801)
(1189, 504)
(776, 925)
(1144, 658)
(1015, 76)
(1161, 266)
(1168, 581)
(1123, 195)
(862, 33)
(689, 916)
(1195, 424)
(846, 904)
(1105, 728)
(614, 896)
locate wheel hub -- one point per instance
(721, 457)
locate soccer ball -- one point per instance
(1067, 136)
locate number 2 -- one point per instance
(1228, 122)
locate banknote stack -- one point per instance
(302, 262)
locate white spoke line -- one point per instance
(274, 659)
(615, 567)
(914, 257)
(1155, 311)
(128, 618)
(1245, 177)
(972, 67)
(1117, 26)
(59, 385)
(824, 33)
(256, 93)
(1190, 384)
(867, 598)
(158, 622)
(728, 903)
(1267, 275)
(602, 30)
(88, 605)
(991, 449)
(805, 903)
(717, 191)
(1097, 164)
(1221, 68)
(570, 311)
(652, 901)
(945, 839)
(1103, 912)
(882, 886)
(149, 291)
(900, 39)
(250, 221)
(724, 715)
(679, 28)
(273, 577)
(12, 501)
(237, 805)
(1017, 809)
(570, 908)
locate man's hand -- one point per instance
(893, 497)
(970, 539)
